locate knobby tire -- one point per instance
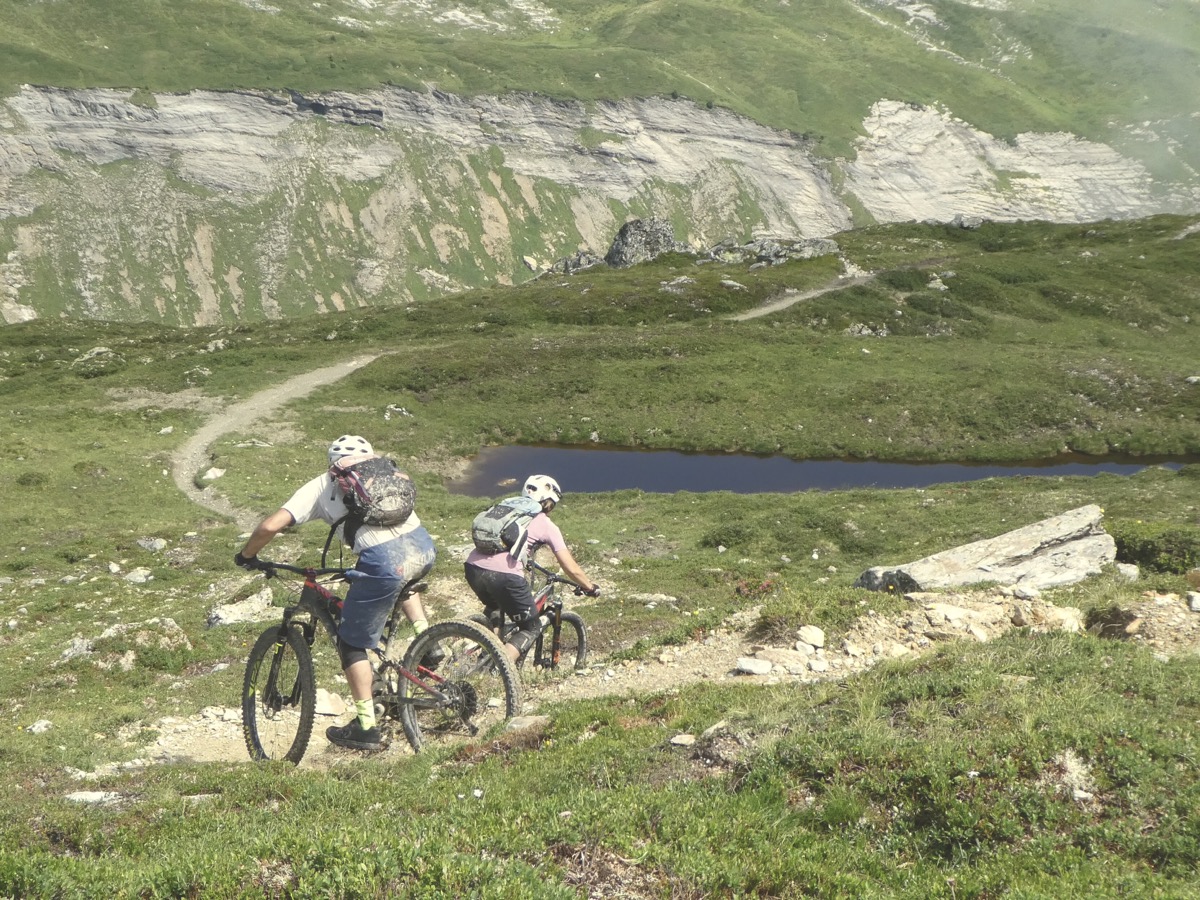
(572, 643)
(477, 681)
(279, 696)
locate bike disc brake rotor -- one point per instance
(464, 697)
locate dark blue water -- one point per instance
(497, 470)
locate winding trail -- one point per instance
(789, 297)
(190, 458)
(214, 733)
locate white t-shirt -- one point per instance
(321, 499)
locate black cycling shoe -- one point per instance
(433, 657)
(354, 736)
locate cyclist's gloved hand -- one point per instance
(594, 592)
(247, 562)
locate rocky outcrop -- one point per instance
(640, 240)
(1060, 550)
(919, 163)
(771, 252)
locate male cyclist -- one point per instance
(498, 579)
(389, 558)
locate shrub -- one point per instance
(905, 279)
(1157, 545)
(728, 534)
(938, 305)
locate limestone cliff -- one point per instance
(207, 207)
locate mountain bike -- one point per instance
(562, 640)
(471, 687)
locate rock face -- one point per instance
(206, 207)
(1056, 551)
(921, 163)
(640, 240)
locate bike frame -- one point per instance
(545, 601)
(547, 604)
(306, 615)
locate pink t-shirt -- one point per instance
(541, 531)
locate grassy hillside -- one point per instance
(1117, 73)
(935, 776)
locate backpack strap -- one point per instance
(350, 532)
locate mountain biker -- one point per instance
(389, 559)
(498, 579)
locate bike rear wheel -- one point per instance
(572, 646)
(279, 696)
(472, 689)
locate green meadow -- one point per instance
(929, 776)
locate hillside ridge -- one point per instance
(206, 207)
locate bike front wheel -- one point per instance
(572, 646)
(279, 696)
(483, 622)
(464, 685)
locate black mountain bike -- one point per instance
(471, 688)
(562, 641)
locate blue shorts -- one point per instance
(385, 571)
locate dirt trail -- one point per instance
(788, 298)
(214, 734)
(192, 457)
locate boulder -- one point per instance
(1060, 550)
(641, 240)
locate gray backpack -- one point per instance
(505, 526)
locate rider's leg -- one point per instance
(361, 732)
(414, 611)
(409, 558)
(369, 601)
(357, 669)
(405, 560)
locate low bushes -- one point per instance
(1158, 546)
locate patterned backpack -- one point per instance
(375, 492)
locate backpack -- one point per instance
(375, 492)
(504, 526)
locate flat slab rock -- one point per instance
(1064, 549)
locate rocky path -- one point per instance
(1166, 624)
(1169, 624)
(191, 458)
(790, 297)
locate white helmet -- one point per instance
(543, 487)
(349, 445)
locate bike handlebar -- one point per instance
(555, 578)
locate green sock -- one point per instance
(366, 713)
(420, 625)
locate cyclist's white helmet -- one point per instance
(348, 445)
(542, 487)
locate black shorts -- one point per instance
(507, 591)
